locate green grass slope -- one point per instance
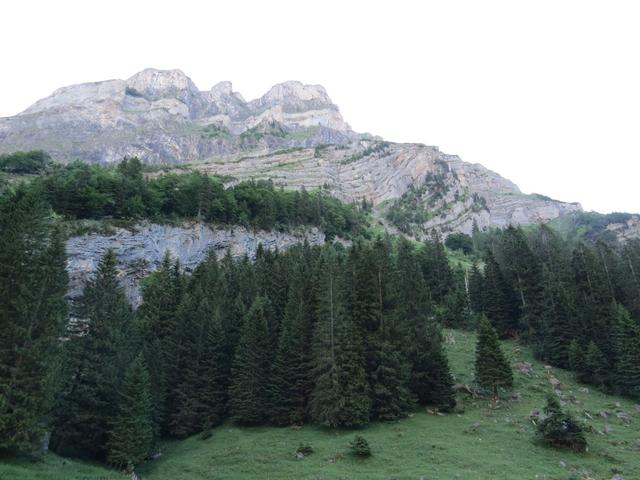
(483, 440)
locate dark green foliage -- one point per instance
(559, 429)
(627, 375)
(304, 449)
(491, 368)
(360, 447)
(33, 282)
(96, 354)
(81, 190)
(131, 435)
(431, 380)
(596, 366)
(390, 395)
(460, 241)
(34, 161)
(497, 299)
(248, 393)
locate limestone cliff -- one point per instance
(293, 134)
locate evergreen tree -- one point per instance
(248, 393)
(627, 367)
(324, 396)
(390, 396)
(431, 380)
(131, 434)
(577, 361)
(559, 429)
(557, 329)
(158, 325)
(33, 282)
(97, 352)
(491, 368)
(497, 299)
(596, 366)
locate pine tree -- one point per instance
(559, 429)
(131, 435)
(627, 367)
(491, 368)
(200, 396)
(497, 299)
(33, 283)
(390, 395)
(158, 325)
(97, 352)
(431, 380)
(324, 397)
(248, 393)
(557, 329)
(354, 403)
(577, 361)
(596, 366)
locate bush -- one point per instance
(559, 429)
(34, 161)
(360, 447)
(305, 449)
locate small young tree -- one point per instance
(360, 446)
(491, 369)
(131, 436)
(559, 429)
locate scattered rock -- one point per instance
(583, 390)
(563, 464)
(624, 416)
(617, 476)
(555, 383)
(604, 414)
(523, 367)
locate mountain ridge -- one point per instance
(293, 134)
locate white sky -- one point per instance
(547, 93)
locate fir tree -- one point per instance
(491, 368)
(324, 396)
(33, 283)
(596, 366)
(577, 361)
(497, 299)
(131, 434)
(431, 380)
(248, 393)
(97, 353)
(627, 367)
(559, 429)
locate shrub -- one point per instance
(360, 447)
(559, 429)
(305, 449)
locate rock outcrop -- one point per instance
(141, 250)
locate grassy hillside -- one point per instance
(482, 441)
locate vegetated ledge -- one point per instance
(140, 248)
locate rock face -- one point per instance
(293, 134)
(141, 251)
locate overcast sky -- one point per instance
(547, 93)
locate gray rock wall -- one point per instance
(141, 251)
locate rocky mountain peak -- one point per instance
(155, 84)
(294, 96)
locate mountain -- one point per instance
(294, 135)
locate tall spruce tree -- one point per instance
(97, 353)
(431, 380)
(131, 435)
(498, 299)
(248, 393)
(33, 282)
(492, 370)
(324, 396)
